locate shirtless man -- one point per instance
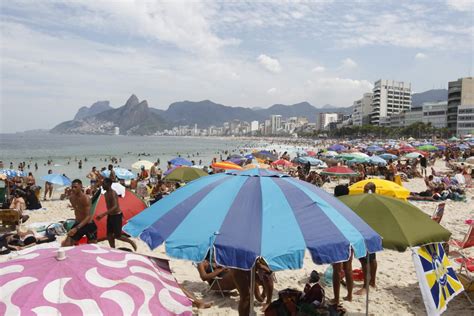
(112, 175)
(48, 187)
(84, 224)
(93, 177)
(114, 216)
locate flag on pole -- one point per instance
(438, 281)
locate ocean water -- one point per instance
(66, 150)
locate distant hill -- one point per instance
(96, 108)
(417, 99)
(133, 118)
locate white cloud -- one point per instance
(461, 5)
(420, 56)
(271, 64)
(349, 63)
(272, 91)
(318, 69)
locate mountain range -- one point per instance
(136, 117)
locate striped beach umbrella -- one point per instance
(242, 215)
(339, 171)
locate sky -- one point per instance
(56, 56)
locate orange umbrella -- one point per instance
(226, 165)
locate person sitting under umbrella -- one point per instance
(370, 188)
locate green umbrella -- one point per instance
(428, 148)
(400, 223)
(185, 174)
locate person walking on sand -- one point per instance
(48, 187)
(114, 216)
(112, 175)
(84, 223)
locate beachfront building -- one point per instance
(324, 119)
(465, 120)
(389, 97)
(435, 113)
(275, 123)
(254, 126)
(362, 109)
(460, 95)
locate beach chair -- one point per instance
(465, 275)
(9, 217)
(438, 212)
(468, 181)
(467, 242)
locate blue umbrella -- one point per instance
(120, 173)
(238, 161)
(306, 159)
(242, 215)
(388, 156)
(179, 161)
(265, 154)
(249, 156)
(462, 146)
(374, 148)
(376, 160)
(10, 173)
(56, 178)
(337, 147)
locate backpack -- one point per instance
(55, 229)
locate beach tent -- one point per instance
(90, 280)
(401, 224)
(383, 187)
(130, 204)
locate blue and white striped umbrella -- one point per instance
(120, 173)
(56, 178)
(242, 215)
(179, 161)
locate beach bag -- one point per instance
(55, 229)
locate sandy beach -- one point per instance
(397, 290)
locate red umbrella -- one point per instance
(282, 162)
(407, 149)
(130, 205)
(339, 171)
(311, 153)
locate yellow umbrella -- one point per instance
(383, 187)
(256, 165)
(138, 165)
(226, 165)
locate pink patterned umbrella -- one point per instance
(91, 280)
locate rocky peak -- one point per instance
(132, 101)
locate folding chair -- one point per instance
(465, 275)
(467, 242)
(438, 212)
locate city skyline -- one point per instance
(58, 56)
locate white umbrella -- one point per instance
(138, 165)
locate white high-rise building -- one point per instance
(389, 97)
(362, 110)
(276, 123)
(254, 126)
(324, 119)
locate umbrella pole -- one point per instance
(252, 290)
(368, 285)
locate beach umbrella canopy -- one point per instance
(376, 160)
(304, 160)
(357, 160)
(145, 163)
(337, 147)
(413, 155)
(400, 223)
(359, 154)
(282, 162)
(238, 161)
(91, 280)
(256, 165)
(226, 165)
(235, 156)
(383, 187)
(242, 215)
(185, 174)
(428, 148)
(374, 148)
(265, 154)
(120, 173)
(10, 173)
(130, 205)
(453, 139)
(311, 153)
(388, 156)
(56, 178)
(470, 160)
(339, 171)
(179, 161)
(329, 153)
(249, 156)
(406, 149)
(463, 146)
